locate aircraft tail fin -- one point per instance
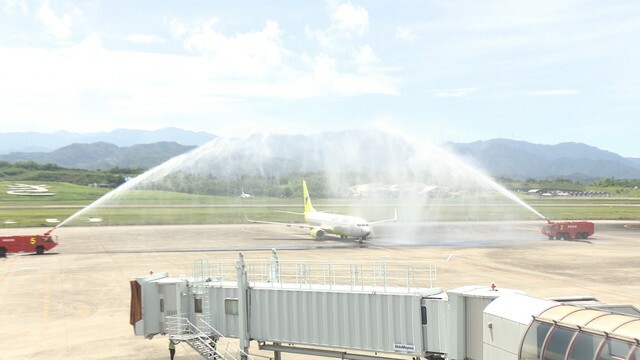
(307, 200)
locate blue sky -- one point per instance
(540, 71)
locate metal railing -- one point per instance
(181, 329)
(354, 276)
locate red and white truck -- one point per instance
(567, 229)
(26, 243)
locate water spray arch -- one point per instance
(360, 172)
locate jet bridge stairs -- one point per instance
(210, 344)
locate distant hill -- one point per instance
(498, 157)
(45, 142)
(522, 160)
(102, 155)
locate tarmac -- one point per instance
(73, 303)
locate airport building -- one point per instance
(390, 312)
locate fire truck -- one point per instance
(567, 230)
(26, 243)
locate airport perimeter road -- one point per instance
(74, 303)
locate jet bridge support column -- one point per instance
(277, 355)
(243, 316)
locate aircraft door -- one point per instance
(162, 325)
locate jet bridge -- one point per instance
(348, 311)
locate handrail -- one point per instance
(181, 328)
(357, 276)
(233, 346)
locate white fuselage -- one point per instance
(343, 225)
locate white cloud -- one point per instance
(555, 92)
(350, 19)
(347, 22)
(57, 26)
(365, 57)
(12, 7)
(455, 92)
(405, 34)
(144, 39)
(91, 85)
(332, 81)
(176, 27)
(256, 53)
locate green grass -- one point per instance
(65, 194)
(163, 207)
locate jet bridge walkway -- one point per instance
(371, 317)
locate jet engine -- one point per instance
(317, 233)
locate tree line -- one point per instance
(33, 171)
(263, 186)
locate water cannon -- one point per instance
(548, 221)
(48, 232)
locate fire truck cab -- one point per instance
(568, 230)
(26, 243)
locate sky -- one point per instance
(542, 71)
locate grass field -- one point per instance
(161, 207)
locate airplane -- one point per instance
(245, 196)
(321, 223)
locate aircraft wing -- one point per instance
(300, 225)
(395, 217)
(297, 213)
(288, 212)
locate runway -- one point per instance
(73, 303)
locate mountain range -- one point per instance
(145, 149)
(523, 160)
(33, 141)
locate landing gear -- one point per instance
(362, 239)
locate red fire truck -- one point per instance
(568, 230)
(26, 243)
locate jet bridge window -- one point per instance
(533, 340)
(558, 343)
(614, 349)
(231, 306)
(585, 346)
